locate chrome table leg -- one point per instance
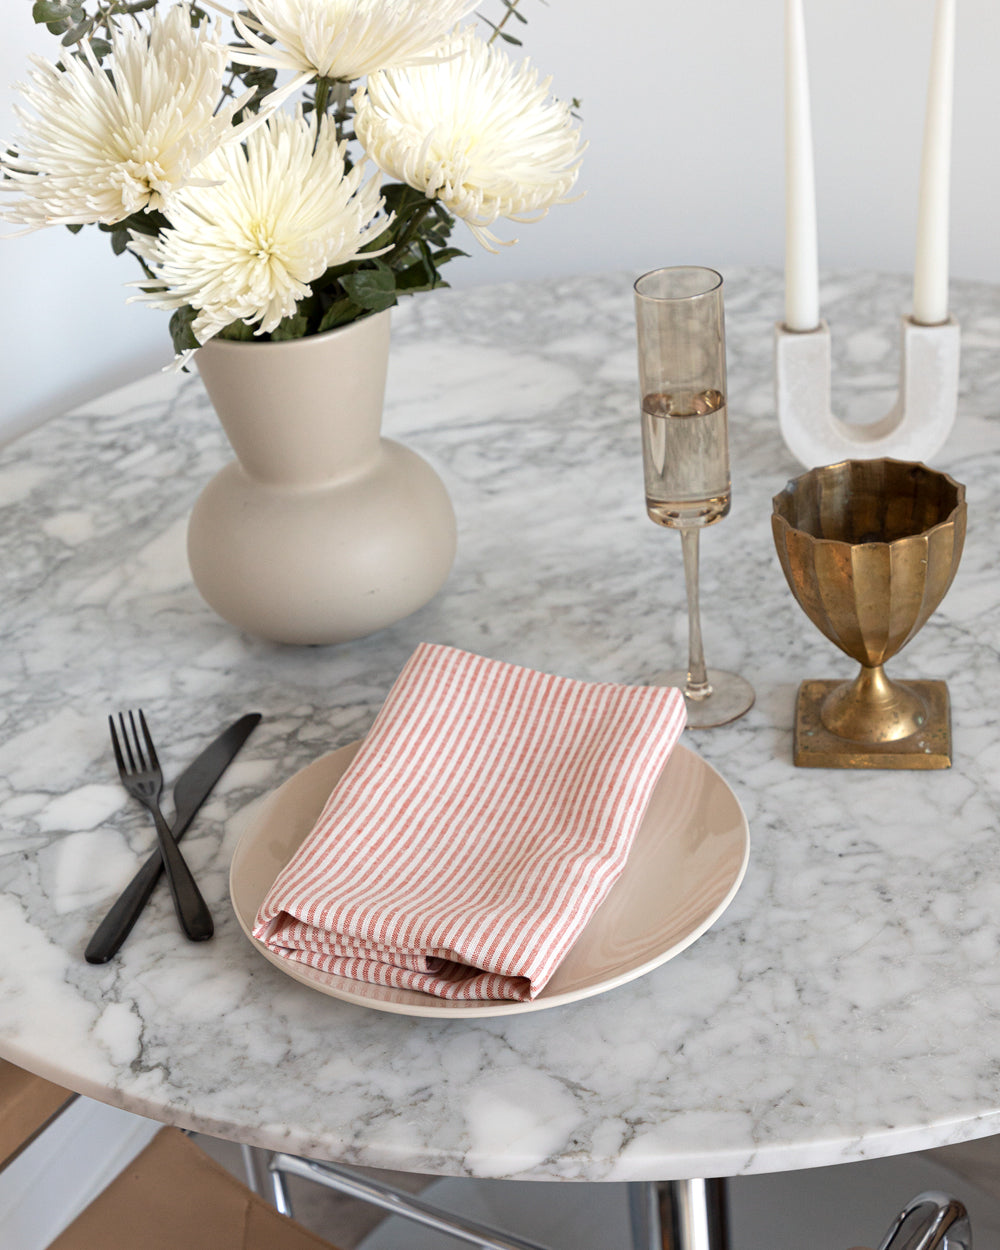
(644, 1215)
(678, 1215)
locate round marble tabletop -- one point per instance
(843, 1007)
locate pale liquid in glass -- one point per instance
(686, 457)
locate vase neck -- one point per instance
(304, 412)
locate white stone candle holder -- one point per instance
(916, 426)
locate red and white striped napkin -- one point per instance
(485, 817)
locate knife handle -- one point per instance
(117, 924)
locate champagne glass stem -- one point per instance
(697, 685)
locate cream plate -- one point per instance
(686, 864)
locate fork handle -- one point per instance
(192, 912)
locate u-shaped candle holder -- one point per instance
(916, 426)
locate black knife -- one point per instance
(193, 787)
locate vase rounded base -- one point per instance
(314, 565)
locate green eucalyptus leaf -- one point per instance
(151, 223)
(45, 11)
(427, 261)
(259, 77)
(414, 278)
(75, 228)
(331, 277)
(437, 233)
(120, 239)
(446, 254)
(294, 327)
(237, 332)
(339, 313)
(374, 243)
(401, 199)
(182, 329)
(423, 274)
(373, 289)
(77, 32)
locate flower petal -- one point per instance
(474, 131)
(343, 39)
(104, 143)
(262, 225)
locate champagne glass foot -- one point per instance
(731, 696)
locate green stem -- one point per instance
(145, 268)
(227, 91)
(322, 94)
(119, 8)
(408, 235)
(511, 5)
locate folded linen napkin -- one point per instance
(484, 819)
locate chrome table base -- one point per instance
(396, 1202)
(663, 1215)
(678, 1215)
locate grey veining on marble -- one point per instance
(845, 1006)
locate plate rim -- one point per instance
(449, 1009)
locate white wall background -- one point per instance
(682, 105)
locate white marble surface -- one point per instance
(845, 1006)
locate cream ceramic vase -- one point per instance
(321, 530)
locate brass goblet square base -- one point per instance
(816, 747)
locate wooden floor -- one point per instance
(342, 1220)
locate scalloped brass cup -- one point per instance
(869, 549)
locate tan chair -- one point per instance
(173, 1196)
(28, 1105)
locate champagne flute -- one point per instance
(682, 375)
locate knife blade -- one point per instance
(191, 789)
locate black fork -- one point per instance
(142, 778)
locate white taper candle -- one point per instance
(930, 272)
(801, 266)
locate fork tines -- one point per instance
(119, 758)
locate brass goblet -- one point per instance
(869, 548)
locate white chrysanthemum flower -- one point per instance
(473, 131)
(111, 141)
(275, 218)
(343, 39)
